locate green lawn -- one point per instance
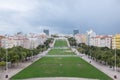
(61, 67)
(60, 43)
(61, 52)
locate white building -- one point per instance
(89, 34)
(101, 41)
(7, 42)
(25, 41)
(37, 39)
(11, 41)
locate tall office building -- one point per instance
(75, 32)
(46, 31)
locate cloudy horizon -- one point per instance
(59, 16)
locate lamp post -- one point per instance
(82, 45)
(6, 76)
(115, 76)
(90, 33)
(89, 44)
(31, 47)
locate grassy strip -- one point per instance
(61, 43)
(61, 52)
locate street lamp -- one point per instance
(89, 44)
(89, 35)
(115, 76)
(32, 45)
(6, 76)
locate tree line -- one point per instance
(19, 54)
(104, 55)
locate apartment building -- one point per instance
(116, 41)
(1, 37)
(89, 35)
(101, 41)
(80, 38)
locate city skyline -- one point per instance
(103, 16)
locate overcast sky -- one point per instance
(59, 16)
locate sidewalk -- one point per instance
(106, 69)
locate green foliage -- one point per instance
(2, 54)
(81, 50)
(101, 53)
(54, 36)
(16, 54)
(45, 46)
(72, 41)
(2, 63)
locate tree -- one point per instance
(72, 41)
(23, 56)
(2, 64)
(2, 54)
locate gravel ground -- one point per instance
(60, 78)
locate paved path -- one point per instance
(52, 45)
(68, 42)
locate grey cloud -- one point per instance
(63, 16)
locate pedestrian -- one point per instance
(6, 76)
(115, 76)
(90, 61)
